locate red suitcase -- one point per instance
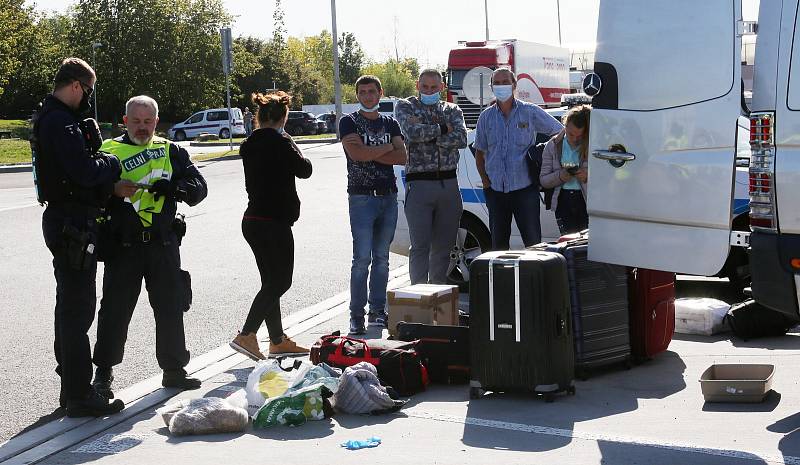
(652, 311)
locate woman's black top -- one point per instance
(271, 162)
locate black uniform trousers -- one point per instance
(158, 263)
(75, 302)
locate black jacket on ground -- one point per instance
(271, 162)
(185, 177)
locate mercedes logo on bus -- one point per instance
(592, 84)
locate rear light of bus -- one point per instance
(762, 171)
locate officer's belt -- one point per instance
(431, 175)
(146, 236)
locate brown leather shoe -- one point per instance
(247, 344)
(286, 347)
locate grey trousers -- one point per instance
(433, 211)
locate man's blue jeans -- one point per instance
(523, 204)
(372, 222)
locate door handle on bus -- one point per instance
(616, 159)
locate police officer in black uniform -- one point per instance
(143, 236)
(75, 182)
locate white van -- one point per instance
(212, 121)
(474, 237)
(663, 196)
(775, 168)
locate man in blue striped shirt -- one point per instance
(504, 133)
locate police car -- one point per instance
(474, 237)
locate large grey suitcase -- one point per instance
(520, 324)
(599, 297)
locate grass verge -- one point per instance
(14, 151)
(213, 155)
(317, 136)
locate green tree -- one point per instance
(351, 58)
(398, 78)
(42, 48)
(246, 64)
(16, 22)
(169, 50)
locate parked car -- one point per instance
(474, 237)
(301, 123)
(322, 126)
(212, 121)
(330, 121)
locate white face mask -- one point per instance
(369, 110)
(503, 93)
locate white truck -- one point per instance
(542, 72)
(663, 140)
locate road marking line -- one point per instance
(596, 437)
(18, 207)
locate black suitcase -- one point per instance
(520, 324)
(444, 350)
(599, 298)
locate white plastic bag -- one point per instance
(206, 415)
(270, 379)
(701, 316)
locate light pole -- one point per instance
(337, 84)
(95, 46)
(486, 17)
(558, 12)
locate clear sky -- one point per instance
(423, 29)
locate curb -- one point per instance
(16, 168)
(213, 144)
(330, 140)
(21, 168)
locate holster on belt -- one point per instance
(79, 247)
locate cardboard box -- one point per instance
(736, 382)
(432, 304)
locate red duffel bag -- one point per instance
(397, 362)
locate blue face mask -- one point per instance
(368, 110)
(503, 93)
(429, 99)
(280, 130)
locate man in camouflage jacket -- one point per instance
(434, 132)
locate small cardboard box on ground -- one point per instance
(432, 304)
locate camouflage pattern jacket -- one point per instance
(429, 150)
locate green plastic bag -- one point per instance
(293, 408)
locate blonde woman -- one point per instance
(565, 169)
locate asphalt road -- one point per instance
(224, 278)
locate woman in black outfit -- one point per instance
(271, 162)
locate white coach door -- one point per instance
(663, 133)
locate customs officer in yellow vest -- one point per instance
(141, 242)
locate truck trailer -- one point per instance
(542, 72)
